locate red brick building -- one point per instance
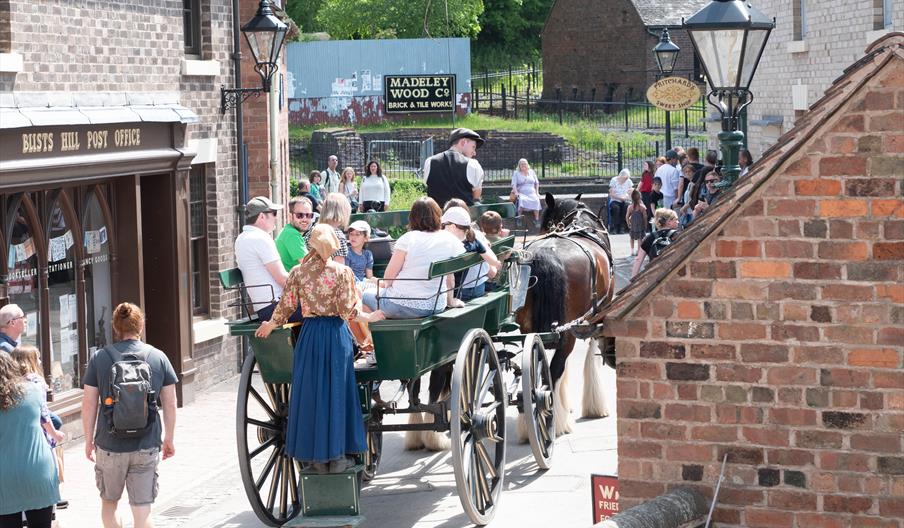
(772, 330)
(607, 47)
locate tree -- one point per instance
(304, 13)
(364, 19)
(510, 31)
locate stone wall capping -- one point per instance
(200, 68)
(11, 63)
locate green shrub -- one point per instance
(405, 192)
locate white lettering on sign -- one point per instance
(97, 139)
(37, 142)
(127, 137)
(69, 141)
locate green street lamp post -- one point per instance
(729, 37)
(666, 53)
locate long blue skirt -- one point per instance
(325, 421)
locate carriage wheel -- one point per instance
(270, 476)
(537, 400)
(372, 455)
(478, 426)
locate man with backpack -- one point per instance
(665, 225)
(124, 386)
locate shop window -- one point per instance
(197, 200)
(191, 18)
(22, 286)
(96, 264)
(799, 17)
(63, 300)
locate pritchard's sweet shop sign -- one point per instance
(673, 93)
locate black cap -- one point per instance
(467, 133)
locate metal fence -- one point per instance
(528, 78)
(620, 115)
(591, 159)
(400, 159)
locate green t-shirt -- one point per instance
(291, 246)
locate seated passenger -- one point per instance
(335, 212)
(360, 259)
(258, 259)
(490, 223)
(457, 221)
(416, 295)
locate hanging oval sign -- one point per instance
(673, 93)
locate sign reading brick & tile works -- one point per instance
(403, 94)
(604, 491)
(673, 93)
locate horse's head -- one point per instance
(557, 210)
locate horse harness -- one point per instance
(571, 225)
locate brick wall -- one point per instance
(831, 44)
(604, 46)
(779, 342)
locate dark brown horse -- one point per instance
(573, 266)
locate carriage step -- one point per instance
(329, 521)
(332, 494)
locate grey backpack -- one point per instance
(132, 404)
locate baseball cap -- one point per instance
(671, 154)
(361, 226)
(260, 204)
(460, 133)
(457, 216)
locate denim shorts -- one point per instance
(392, 309)
(466, 294)
(136, 471)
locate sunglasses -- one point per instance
(303, 215)
(712, 181)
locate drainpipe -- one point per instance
(242, 198)
(275, 193)
(239, 124)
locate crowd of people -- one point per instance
(124, 435)
(676, 184)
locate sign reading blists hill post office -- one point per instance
(673, 93)
(404, 94)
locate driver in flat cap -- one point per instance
(455, 173)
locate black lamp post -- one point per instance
(265, 34)
(729, 36)
(666, 53)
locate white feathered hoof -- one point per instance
(521, 429)
(436, 441)
(564, 421)
(414, 439)
(594, 401)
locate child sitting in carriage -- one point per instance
(360, 259)
(472, 283)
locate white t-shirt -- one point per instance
(422, 248)
(670, 177)
(254, 249)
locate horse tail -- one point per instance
(549, 292)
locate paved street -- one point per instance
(200, 487)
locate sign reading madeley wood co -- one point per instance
(404, 94)
(673, 93)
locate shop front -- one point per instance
(94, 211)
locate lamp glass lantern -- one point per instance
(265, 34)
(729, 37)
(666, 53)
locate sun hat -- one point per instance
(361, 226)
(457, 216)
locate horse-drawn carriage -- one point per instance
(493, 366)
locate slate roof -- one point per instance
(660, 13)
(731, 203)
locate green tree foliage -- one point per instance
(510, 32)
(366, 19)
(304, 13)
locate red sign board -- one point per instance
(605, 496)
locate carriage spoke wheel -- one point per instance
(372, 454)
(537, 400)
(269, 475)
(478, 426)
